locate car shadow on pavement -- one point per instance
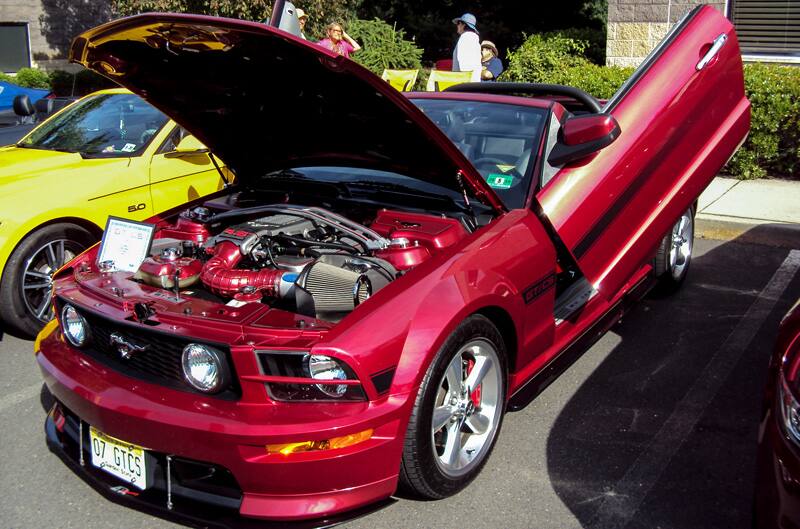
(643, 442)
(11, 332)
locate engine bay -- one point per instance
(307, 260)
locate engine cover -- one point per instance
(246, 234)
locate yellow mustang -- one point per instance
(110, 153)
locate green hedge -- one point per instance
(773, 146)
(60, 82)
(383, 46)
(32, 78)
(28, 77)
(560, 58)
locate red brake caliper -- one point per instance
(475, 396)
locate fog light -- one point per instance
(326, 444)
(74, 326)
(204, 368)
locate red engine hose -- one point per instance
(221, 278)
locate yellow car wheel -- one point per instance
(25, 290)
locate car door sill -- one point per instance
(525, 394)
(573, 299)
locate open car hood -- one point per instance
(265, 100)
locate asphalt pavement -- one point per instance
(655, 426)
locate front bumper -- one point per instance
(233, 435)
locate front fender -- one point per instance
(410, 319)
(14, 230)
(442, 311)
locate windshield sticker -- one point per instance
(499, 181)
(505, 168)
(129, 147)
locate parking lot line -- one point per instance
(12, 399)
(622, 501)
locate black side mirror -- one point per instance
(583, 135)
(23, 106)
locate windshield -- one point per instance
(355, 184)
(106, 125)
(501, 140)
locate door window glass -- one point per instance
(105, 125)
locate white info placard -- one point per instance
(125, 244)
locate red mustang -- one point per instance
(777, 500)
(388, 276)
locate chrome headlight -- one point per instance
(204, 368)
(293, 365)
(321, 367)
(74, 326)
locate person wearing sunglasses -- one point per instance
(339, 41)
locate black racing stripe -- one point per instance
(644, 175)
(147, 185)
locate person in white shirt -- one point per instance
(467, 54)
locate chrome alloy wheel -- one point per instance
(680, 248)
(37, 275)
(468, 408)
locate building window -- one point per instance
(767, 30)
(15, 50)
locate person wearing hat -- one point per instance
(467, 54)
(302, 18)
(492, 66)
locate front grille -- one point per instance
(160, 360)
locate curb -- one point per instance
(768, 234)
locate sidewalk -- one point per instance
(757, 211)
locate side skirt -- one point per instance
(575, 350)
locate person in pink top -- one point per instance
(339, 41)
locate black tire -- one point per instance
(424, 473)
(25, 311)
(674, 255)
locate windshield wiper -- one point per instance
(285, 174)
(406, 191)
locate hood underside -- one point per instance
(264, 100)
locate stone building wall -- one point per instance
(635, 27)
(27, 11)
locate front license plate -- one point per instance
(124, 460)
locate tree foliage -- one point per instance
(250, 10)
(504, 23)
(320, 12)
(384, 46)
(62, 20)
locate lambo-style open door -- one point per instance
(681, 115)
